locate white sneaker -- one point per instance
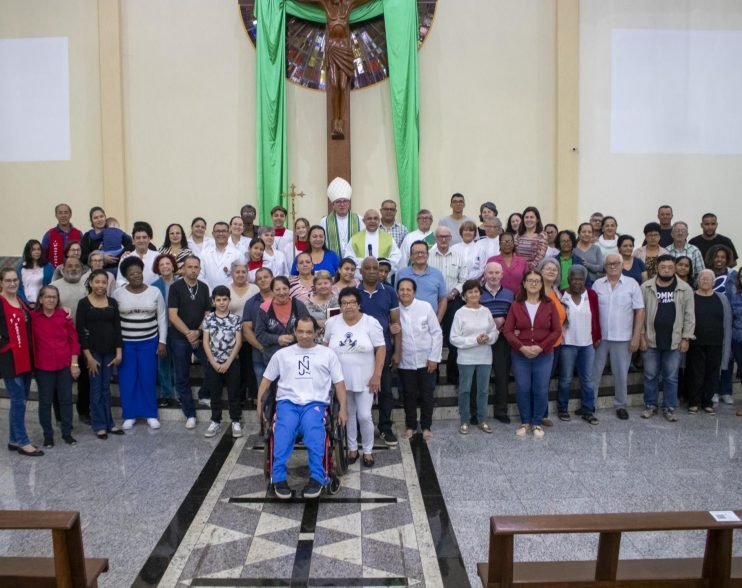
(715, 399)
(523, 430)
(213, 429)
(153, 423)
(128, 424)
(204, 402)
(538, 432)
(191, 423)
(727, 399)
(236, 430)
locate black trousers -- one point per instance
(704, 365)
(452, 366)
(419, 387)
(216, 382)
(501, 360)
(83, 388)
(386, 398)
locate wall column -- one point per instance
(567, 113)
(112, 112)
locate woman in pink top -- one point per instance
(56, 350)
(513, 266)
(531, 242)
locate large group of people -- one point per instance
(518, 297)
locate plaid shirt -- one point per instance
(691, 251)
(397, 231)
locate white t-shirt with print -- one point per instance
(304, 374)
(355, 348)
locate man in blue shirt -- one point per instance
(379, 300)
(431, 286)
(498, 300)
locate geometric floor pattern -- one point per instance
(368, 534)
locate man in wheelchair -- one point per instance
(305, 371)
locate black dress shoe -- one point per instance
(622, 414)
(163, 403)
(102, 435)
(34, 453)
(12, 447)
(503, 418)
(70, 440)
(116, 432)
(48, 442)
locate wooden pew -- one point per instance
(69, 568)
(717, 568)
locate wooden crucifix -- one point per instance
(340, 71)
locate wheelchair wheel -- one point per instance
(341, 455)
(334, 486)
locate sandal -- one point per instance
(564, 415)
(590, 418)
(368, 461)
(102, 435)
(352, 458)
(427, 435)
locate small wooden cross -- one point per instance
(291, 197)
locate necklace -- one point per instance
(192, 292)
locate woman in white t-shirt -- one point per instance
(473, 332)
(358, 340)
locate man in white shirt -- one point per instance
(487, 247)
(216, 261)
(422, 233)
(306, 372)
(141, 239)
(372, 243)
(621, 309)
(454, 270)
(341, 224)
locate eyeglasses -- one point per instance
(389, 209)
(534, 282)
(443, 236)
(612, 263)
(419, 253)
(348, 304)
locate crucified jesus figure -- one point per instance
(338, 56)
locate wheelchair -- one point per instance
(335, 457)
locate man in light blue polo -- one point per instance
(431, 286)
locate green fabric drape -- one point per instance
(400, 19)
(270, 124)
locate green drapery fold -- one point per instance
(270, 124)
(400, 19)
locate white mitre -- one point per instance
(339, 189)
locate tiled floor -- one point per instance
(129, 489)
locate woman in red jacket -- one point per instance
(531, 328)
(55, 356)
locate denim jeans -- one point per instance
(532, 386)
(258, 365)
(49, 382)
(100, 394)
(582, 358)
(466, 374)
(18, 388)
(165, 388)
(665, 364)
(182, 350)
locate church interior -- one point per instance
(152, 110)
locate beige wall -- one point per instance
(29, 191)
(631, 187)
(487, 114)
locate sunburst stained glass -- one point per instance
(305, 46)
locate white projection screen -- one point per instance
(34, 99)
(676, 91)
